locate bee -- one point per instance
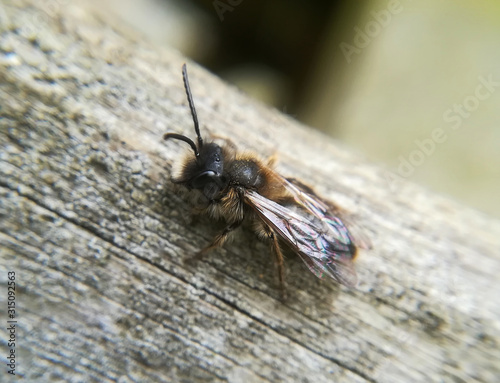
(236, 187)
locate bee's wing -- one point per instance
(306, 197)
(342, 271)
(324, 249)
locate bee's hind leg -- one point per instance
(218, 241)
(279, 259)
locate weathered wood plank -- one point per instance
(97, 238)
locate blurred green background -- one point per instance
(413, 85)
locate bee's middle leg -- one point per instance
(219, 239)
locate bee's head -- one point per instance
(210, 160)
(205, 172)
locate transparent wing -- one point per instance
(305, 196)
(325, 247)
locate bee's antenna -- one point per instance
(191, 106)
(166, 136)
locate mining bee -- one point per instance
(237, 186)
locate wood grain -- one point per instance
(97, 237)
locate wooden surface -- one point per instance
(97, 238)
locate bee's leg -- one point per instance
(219, 240)
(195, 214)
(271, 161)
(279, 259)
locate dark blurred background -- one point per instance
(412, 85)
